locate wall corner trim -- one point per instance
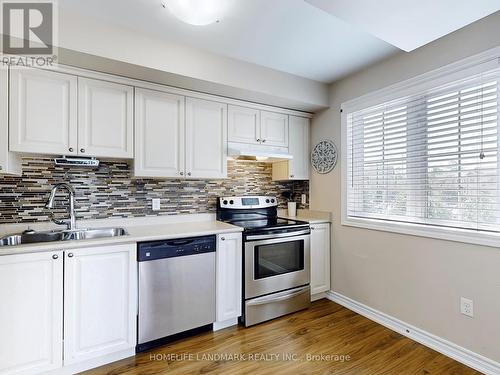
(449, 349)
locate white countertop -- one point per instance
(137, 233)
(309, 216)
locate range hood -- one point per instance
(258, 152)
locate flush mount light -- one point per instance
(196, 12)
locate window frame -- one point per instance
(485, 61)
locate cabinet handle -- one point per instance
(70, 149)
(55, 256)
(258, 139)
(82, 150)
(189, 173)
(312, 228)
(181, 173)
(292, 176)
(223, 238)
(70, 255)
(263, 141)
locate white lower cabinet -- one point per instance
(229, 278)
(100, 297)
(320, 258)
(97, 310)
(31, 312)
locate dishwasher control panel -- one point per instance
(154, 250)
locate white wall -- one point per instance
(415, 279)
(213, 73)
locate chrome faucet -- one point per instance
(71, 222)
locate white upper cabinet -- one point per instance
(43, 112)
(206, 139)
(100, 302)
(159, 134)
(298, 147)
(31, 312)
(274, 129)
(229, 276)
(320, 258)
(105, 119)
(10, 163)
(243, 125)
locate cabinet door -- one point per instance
(229, 276)
(320, 258)
(105, 119)
(31, 312)
(100, 298)
(298, 146)
(9, 161)
(274, 129)
(43, 112)
(159, 134)
(243, 125)
(206, 139)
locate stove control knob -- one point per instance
(267, 200)
(225, 203)
(272, 200)
(231, 202)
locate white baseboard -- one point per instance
(225, 323)
(318, 296)
(458, 353)
(92, 363)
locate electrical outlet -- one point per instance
(303, 199)
(156, 204)
(467, 307)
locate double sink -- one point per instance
(70, 234)
(32, 237)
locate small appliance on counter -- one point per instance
(276, 257)
(176, 289)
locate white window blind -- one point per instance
(429, 158)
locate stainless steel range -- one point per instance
(276, 257)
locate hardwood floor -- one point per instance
(325, 329)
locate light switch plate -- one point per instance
(303, 199)
(156, 204)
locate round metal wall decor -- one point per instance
(324, 156)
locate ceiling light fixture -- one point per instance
(197, 12)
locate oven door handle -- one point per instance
(282, 297)
(277, 235)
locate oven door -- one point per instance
(276, 264)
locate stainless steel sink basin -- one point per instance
(88, 234)
(31, 237)
(63, 235)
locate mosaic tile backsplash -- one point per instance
(111, 190)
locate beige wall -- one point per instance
(415, 279)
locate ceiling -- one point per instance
(287, 35)
(409, 24)
(323, 40)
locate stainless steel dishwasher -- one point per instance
(176, 289)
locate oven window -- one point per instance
(279, 258)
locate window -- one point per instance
(428, 157)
